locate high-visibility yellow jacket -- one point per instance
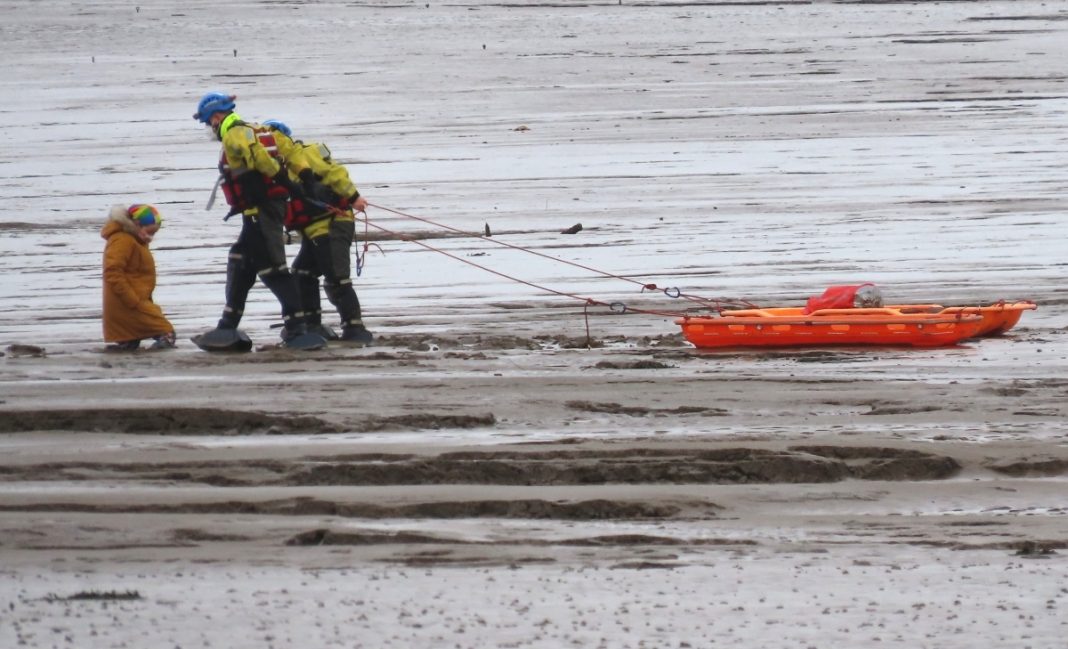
(248, 148)
(316, 157)
(330, 173)
(292, 152)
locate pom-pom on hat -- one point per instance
(145, 215)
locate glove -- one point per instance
(356, 202)
(282, 178)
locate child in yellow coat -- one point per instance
(130, 315)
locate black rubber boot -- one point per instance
(239, 281)
(324, 331)
(293, 327)
(357, 334)
(226, 337)
(344, 299)
(296, 335)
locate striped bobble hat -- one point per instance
(144, 215)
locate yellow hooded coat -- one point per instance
(129, 280)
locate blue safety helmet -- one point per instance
(278, 126)
(211, 103)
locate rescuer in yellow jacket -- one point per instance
(324, 217)
(256, 185)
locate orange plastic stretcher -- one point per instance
(789, 327)
(918, 325)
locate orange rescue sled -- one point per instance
(912, 325)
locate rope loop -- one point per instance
(673, 292)
(618, 307)
(361, 256)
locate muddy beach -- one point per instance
(507, 466)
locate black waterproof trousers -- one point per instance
(260, 252)
(328, 256)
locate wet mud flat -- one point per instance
(819, 497)
(508, 488)
(830, 447)
(513, 489)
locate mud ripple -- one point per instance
(533, 509)
(642, 411)
(639, 465)
(211, 421)
(1045, 468)
(324, 536)
(159, 421)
